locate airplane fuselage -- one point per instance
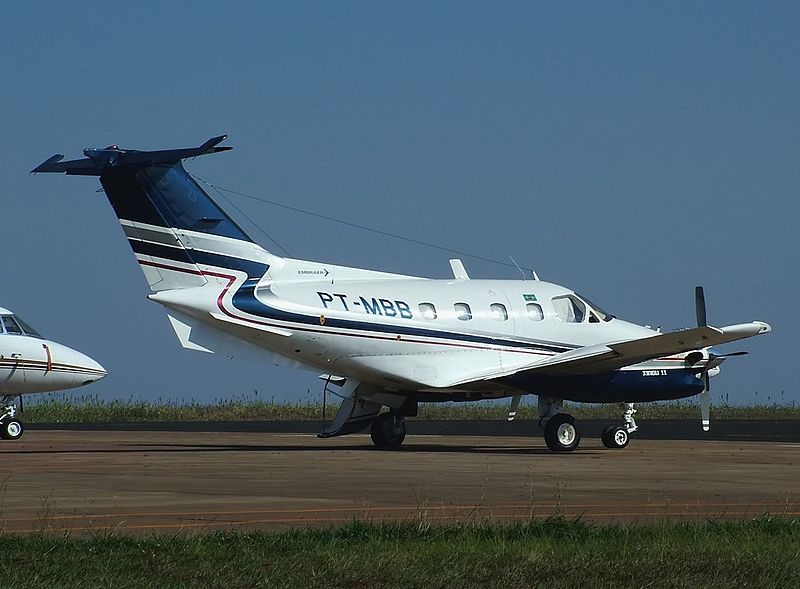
(422, 336)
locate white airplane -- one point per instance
(30, 364)
(390, 340)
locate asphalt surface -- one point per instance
(131, 482)
(649, 429)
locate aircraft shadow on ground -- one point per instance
(207, 448)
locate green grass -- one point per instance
(92, 410)
(65, 409)
(554, 553)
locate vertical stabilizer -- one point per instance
(179, 235)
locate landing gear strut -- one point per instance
(618, 436)
(388, 431)
(11, 428)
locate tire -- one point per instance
(388, 431)
(561, 434)
(615, 437)
(12, 430)
(606, 436)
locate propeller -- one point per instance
(700, 306)
(705, 402)
(705, 396)
(714, 360)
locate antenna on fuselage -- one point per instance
(513, 261)
(534, 275)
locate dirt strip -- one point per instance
(137, 482)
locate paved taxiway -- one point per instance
(173, 481)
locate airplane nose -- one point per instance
(74, 365)
(93, 369)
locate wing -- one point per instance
(613, 356)
(469, 370)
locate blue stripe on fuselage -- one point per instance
(619, 386)
(245, 300)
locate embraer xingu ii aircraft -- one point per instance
(31, 364)
(390, 340)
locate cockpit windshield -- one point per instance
(13, 325)
(597, 309)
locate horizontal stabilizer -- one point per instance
(99, 160)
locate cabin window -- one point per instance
(11, 325)
(569, 309)
(499, 312)
(463, 312)
(427, 310)
(534, 311)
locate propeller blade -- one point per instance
(705, 403)
(728, 355)
(512, 411)
(700, 306)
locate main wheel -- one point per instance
(388, 431)
(605, 436)
(561, 434)
(11, 429)
(615, 436)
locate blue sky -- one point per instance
(627, 150)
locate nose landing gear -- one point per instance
(618, 436)
(11, 428)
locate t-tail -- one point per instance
(180, 236)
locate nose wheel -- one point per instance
(618, 436)
(615, 436)
(11, 429)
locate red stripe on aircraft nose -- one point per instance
(49, 358)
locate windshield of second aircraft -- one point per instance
(597, 309)
(13, 325)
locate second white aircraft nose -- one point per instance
(74, 365)
(91, 367)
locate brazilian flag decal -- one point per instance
(529, 297)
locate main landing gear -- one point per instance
(388, 431)
(562, 435)
(560, 432)
(11, 428)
